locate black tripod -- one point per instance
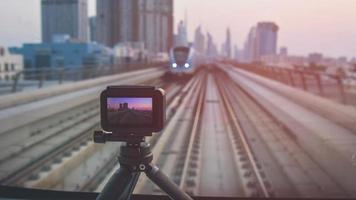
(135, 157)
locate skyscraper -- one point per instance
(266, 34)
(156, 24)
(181, 38)
(199, 40)
(261, 41)
(283, 51)
(109, 21)
(64, 17)
(211, 49)
(92, 28)
(237, 54)
(149, 22)
(250, 46)
(228, 43)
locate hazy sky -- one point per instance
(327, 26)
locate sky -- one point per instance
(326, 26)
(137, 103)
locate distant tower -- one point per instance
(283, 51)
(211, 49)
(228, 43)
(237, 53)
(64, 17)
(199, 40)
(261, 41)
(266, 34)
(126, 106)
(182, 36)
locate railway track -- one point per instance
(263, 156)
(53, 139)
(189, 170)
(181, 160)
(219, 159)
(283, 164)
(242, 145)
(219, 139)
(168, 147)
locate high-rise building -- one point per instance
(223, 50)
(112, 21)
(64, 17)
(147, 21)
(238, 54)
(261, 41)
(211, 49)
(181, 39)
(156, 25)
(92, 28)
(266, 34)
(199, 40)
(250, 46)
(108, 22)
(228, 44)
(283, 51)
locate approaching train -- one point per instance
(184, 60)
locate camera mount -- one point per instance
(135, 157)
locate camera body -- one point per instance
(132, 110)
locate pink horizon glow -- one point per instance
(137, 103)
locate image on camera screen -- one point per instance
(130, 111)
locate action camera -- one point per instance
(132, 110)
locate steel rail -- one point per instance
(194, 130)
(242, 136)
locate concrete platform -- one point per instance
(30, 96)
(327, 140)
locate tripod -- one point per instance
(135, 157)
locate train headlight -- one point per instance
(174, 65)
(186, 65)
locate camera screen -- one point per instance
(129, 111)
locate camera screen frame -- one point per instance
(130, 106)
(158, 108)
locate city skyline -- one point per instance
(137, 103)
(306, 26)
(333, 21)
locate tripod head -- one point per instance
(135, 153)
(135, 157)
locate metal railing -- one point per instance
(322, 84)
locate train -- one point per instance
(184, 61)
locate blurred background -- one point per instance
(261, 94)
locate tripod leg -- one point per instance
(163, 182)
(120, 185)
(131, 188)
